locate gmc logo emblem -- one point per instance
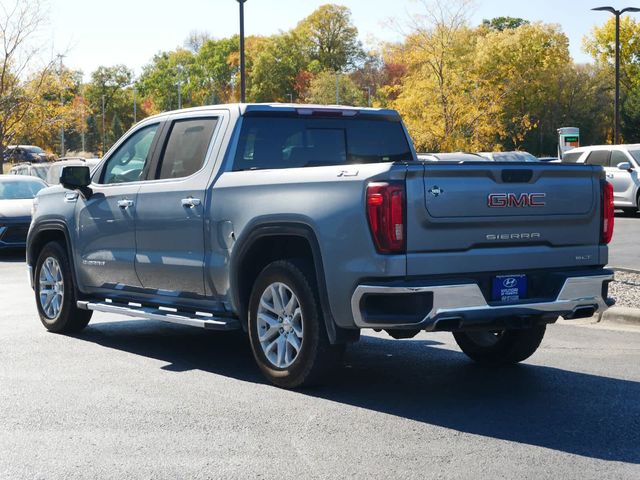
(504, 200)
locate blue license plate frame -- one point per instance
(509, 288)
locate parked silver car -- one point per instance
(38, 170)
(620, 163)
(515, 156)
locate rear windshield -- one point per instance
(286, 142)
(16, 190)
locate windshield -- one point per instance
(18, 190)
(34, 149)
(635, 154)
(40, 171)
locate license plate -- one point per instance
(509, 288)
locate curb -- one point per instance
(620, 316)
(624, 269)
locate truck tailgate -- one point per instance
(502, 216)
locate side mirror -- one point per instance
(76, 177)
(625, 166)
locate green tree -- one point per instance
(504, 23)
(160, 79)
(331, 38)
(113, 84)
(276, 67)
(323, 90)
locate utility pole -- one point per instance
(60, 57)
(290, 97)
(242, 72)
(180, 70)
(337, 88)
(135, 107)
(84, 126)
(368, 96)
(103, 128)
(616, 103)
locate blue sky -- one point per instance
(132, 31)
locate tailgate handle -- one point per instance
(517, 176)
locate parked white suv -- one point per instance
(620, 163)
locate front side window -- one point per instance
(294, 142)
(186, 148)
(618, 157)
(128, 162)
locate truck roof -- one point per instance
(245, 108)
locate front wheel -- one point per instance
(55, 295)
(286, 328)
(500, 347)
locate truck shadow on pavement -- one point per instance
(572, 412)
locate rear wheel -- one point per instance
(286, 328)
(55, 295)
(502, 346)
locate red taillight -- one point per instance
(607, 212)
(385, 210)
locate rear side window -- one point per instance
(290, 142)
(599, 157)
(571, 157)
(186, 147)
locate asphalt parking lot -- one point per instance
(624, 251)
(141, 399)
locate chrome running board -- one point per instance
(165, 314)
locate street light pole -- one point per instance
(616, 102)
(242, 72)
(103, 127)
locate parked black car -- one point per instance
(24, 153)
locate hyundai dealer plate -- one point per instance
(509, 288)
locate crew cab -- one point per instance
(301, 225)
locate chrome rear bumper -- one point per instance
(466, 302)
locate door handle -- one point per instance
(125, 203)
(609, 175)
(191, 202)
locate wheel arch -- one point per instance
(44, 233)
(267, 242)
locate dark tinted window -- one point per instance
(285, 142)
(571, 157)
(618, 157)
(599, 157)
(186, 148)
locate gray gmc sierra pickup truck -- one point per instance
(302, 225)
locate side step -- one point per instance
(198, 319)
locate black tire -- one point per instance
(69, 318)
(504, 347)
(629, 210)
(316, 355)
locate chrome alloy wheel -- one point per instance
(280, 325)
(51, 287)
